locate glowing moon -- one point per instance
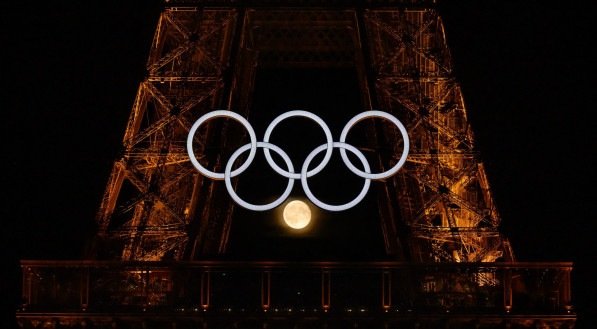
(297, 214)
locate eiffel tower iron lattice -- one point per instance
(157, 210)
(203, 58)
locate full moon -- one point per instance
(297, 214)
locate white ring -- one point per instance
(243, 203)
(305, 173)
(326, 206)
(380, 114)
(320, 122)
(215, 114)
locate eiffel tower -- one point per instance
(166, 252)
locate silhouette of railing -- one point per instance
(313, 288)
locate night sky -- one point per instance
(70, 73)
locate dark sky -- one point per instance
(70, 71)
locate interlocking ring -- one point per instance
(243, 203)
(326, 206)
(320, 122)
(305, 172)
(379, 114)
(216, 114)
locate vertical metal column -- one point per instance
(507, 290)
(565, 291)
(205, 290)
(84, 289)
(145, 273)
(386, 290)
(26, 290)
(265, 290)
(325, 290)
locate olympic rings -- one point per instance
(243, 203)
(312, 197)
(379, 114)
(328, 136)
(305, 172)
(215, 114)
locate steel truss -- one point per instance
(157, 207)
(443, 192)
(159, 218)
(151, 197)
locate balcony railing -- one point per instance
(310, 288)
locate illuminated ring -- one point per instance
(228, 175)
(320, 122)
(216, 114)
(379, 114)
(326, 206)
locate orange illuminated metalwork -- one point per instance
(160, 222)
